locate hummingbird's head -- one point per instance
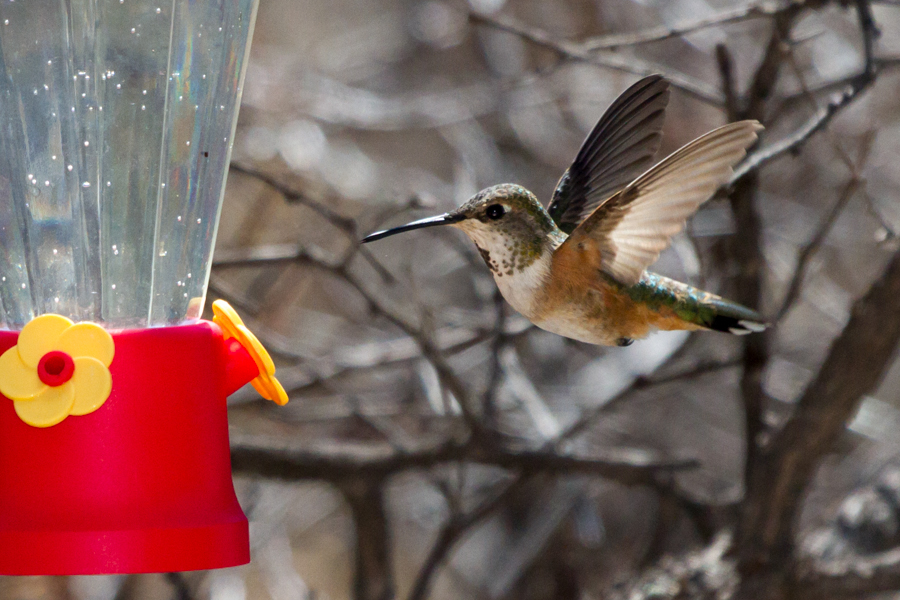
(504, 220)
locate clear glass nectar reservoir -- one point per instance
(116, 126)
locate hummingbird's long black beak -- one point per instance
(444, 219)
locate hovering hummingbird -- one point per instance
(578, 270)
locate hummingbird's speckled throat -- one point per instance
(515, 233)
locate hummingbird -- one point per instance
(578, 269)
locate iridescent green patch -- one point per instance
(688, 303)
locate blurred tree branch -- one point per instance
(766, 562)
(749, 255)
(373, 579)
(614, 41)
(856, 577)
(429, 350)
(809, 249)
(456, 527)
(255, 456)
(854, 367)
(688, 85)
(857, 85)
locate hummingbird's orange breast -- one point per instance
(578, 301)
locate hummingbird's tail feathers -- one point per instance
(731, 317)
(677, 305)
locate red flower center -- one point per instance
(55, 368)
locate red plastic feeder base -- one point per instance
(142, 484)
(139, 551)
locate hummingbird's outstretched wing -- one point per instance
(625, 234)
(619, 148)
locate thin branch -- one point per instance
(496, 370)
(343, 224)
(810, 248)
(453, 531)
(430, 351)
(726, 69)
(756, 10)
(882, 64)
(636, 66)
(791, 143)
(587, 419)
(260, 256)
(857, 85)
(870, 33)
(259, 456)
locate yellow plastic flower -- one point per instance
(57, 368)
(233, 327)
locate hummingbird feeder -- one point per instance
(116, 127)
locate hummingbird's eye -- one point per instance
(495, 211)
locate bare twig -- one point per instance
(429, 350)
(344, 224)
(882, 65)
(810, 248)
(692, 87)
(496, 374)
(764, 156)
(726, 69)
(755, 10)
(453, 531)
(254, 456)
(857, 85)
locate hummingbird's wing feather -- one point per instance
(619, 148)
(628, 231)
